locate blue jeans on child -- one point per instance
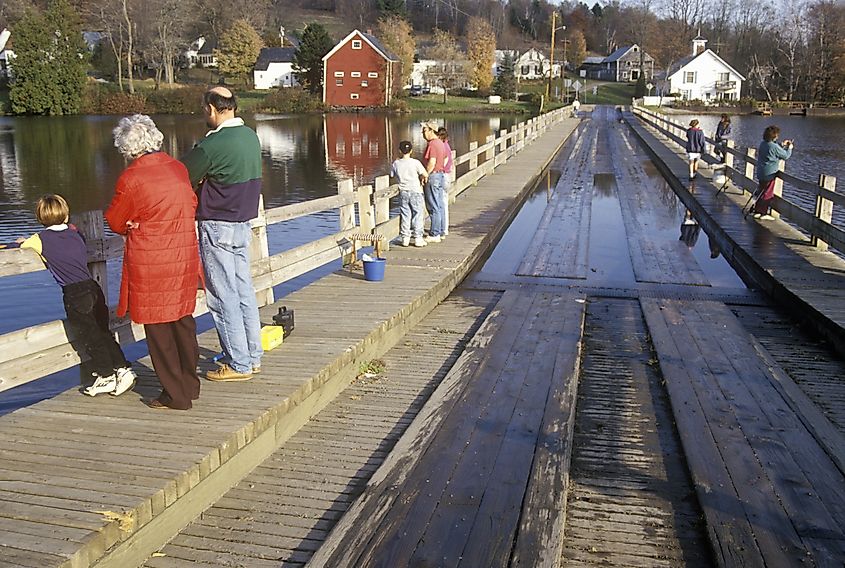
(411, 214)
(434, 196)
(230, 295)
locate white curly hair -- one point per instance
(136, 135)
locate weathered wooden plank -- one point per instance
(731, 534)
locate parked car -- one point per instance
(426, 90)
(416, 90)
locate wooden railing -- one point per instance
(30, 353)
(739, 169)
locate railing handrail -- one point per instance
(51, 340)
(817, 223)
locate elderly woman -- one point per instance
(154, 206)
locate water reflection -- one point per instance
(690, 230)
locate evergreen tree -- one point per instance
(49, 68)
(391, 7)
(639, 89)
(239, 49)
(505, 83)
(308, 61)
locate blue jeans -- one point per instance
(411, 214)
(229, 293)
(434, 193)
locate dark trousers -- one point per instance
(88, 316)
(175, 353)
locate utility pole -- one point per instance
(551, 58)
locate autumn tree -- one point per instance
(308, 61)
(49, 68)
(449, 70)
(481, 52)
(239, 49)
(576, 48)
(505, 83)
(397, 35)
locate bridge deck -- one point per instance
(80, 476)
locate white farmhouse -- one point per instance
(704, 76)
(274, 68)
(6, 54)
(531, 64)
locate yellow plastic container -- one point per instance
(271, 336)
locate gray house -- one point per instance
(623, 65)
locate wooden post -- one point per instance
(824, 208)
(488, 155)
(453, 175)
(260, 250)
(92, 226)
(473, 160)
(366, 215)
(750, 154)
(501, 157)
(382, 204)
(347, 212)
(729, 158)
(521, 137)
(778, 187)
(513, 149)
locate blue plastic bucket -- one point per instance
(374, 269)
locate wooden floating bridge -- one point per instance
(548, 412)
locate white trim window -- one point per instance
(372, 75)
(338, 82)
(689, 77)
(365, 83)
(355, 74)
(338, 73)
(357, 44)
(353, 96)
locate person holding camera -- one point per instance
(769, 155)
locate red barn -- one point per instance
(360, 72)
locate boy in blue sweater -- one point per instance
(65, 254)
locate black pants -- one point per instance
(175, 353)
(88, 316)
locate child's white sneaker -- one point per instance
(419, 242)
(433, 239)
(124, 380)
(101, 385)
(406, 241)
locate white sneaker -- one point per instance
(766, 218)
(406, 241)
(101, 385)
(433, 239)
(419, 242)
(124, 380)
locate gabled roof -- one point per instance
(208, 47)
(684, 61)
(618, 54)
(269, 55)
(5, 34)
(593, 60)
(370, 39)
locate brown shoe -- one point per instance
(225, 373)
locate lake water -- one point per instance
(304, 158)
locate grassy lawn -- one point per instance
(609, 93)
(434, 103)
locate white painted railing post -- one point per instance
(750, 154)
(260, 250)
(347, 212)
(778, 187)
(491, 151)
(366, 215)
(824, 208)
(473, 160)
(729, 157)
(382, 204)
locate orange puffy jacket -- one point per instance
(161, 264)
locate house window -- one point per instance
(689, 77)
(355, 74)
(338, 82)
(372, 74)
(365, 83)
(356, 44)
(724, 77)
(338, 73)
(624, 74)
(538, 70)
(353, 96)
(525, 70)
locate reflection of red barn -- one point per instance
(360, 72)
(357, 145)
